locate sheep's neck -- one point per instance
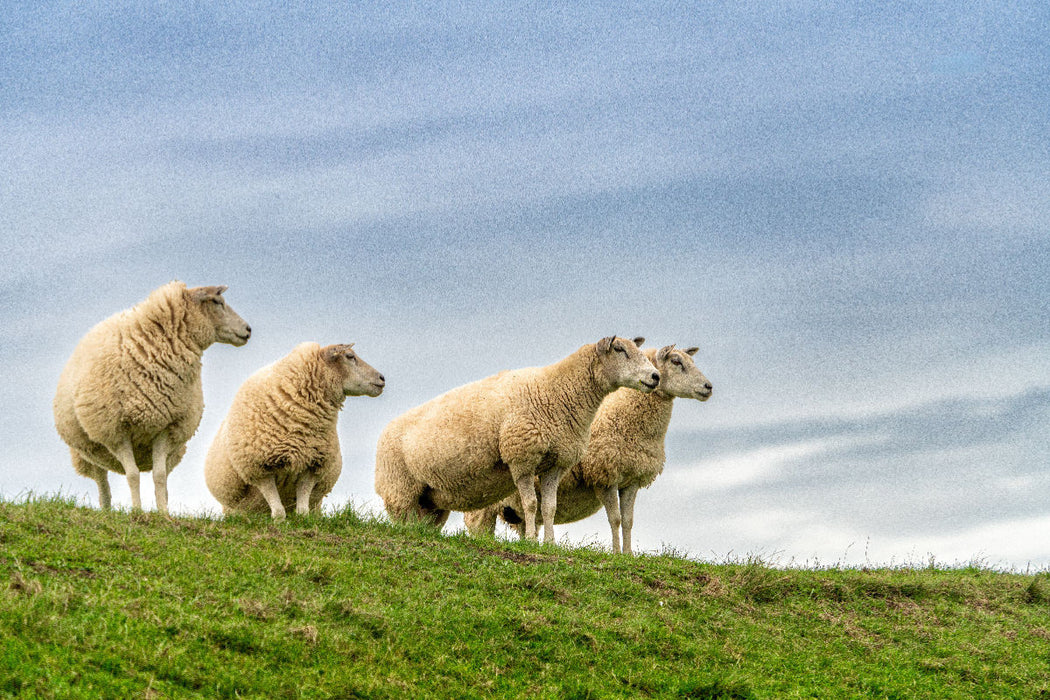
(317, 396)
(577, 385)
(164, 325)
(653, 412)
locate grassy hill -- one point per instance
(128, 605)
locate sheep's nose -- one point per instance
(707, 386)
(382, 379)
(248, 330)
(656, 377)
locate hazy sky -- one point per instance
(846, 208)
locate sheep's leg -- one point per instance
(610, 498)
(268, 488)
(482, 521)
(439, 517)
(99, 474)
(105, 498)
(303, 488)
(526, 484)
(126, 456)
(160, 471)
(627, 495)
(549, 501)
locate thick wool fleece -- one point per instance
(132, 376)
(466, 448)
(625, 452)
(282, 423)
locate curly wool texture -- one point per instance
(627, 440)
(131, 376)
(626, 447)
(464, 449)
(282, 423)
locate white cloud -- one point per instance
(752, 466)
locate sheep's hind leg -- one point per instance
(438, 517)
(126, 456)
(526, 484)
(100, 475)
(549, 501)
(627, 495)
(610, 498)
(160, 471)
(268, 488)
(105, 498)
(303, 488)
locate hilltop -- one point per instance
(135, 605)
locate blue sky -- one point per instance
(847, 209)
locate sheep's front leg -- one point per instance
(526, 484)
(126, 456)
(549, 501)
(268, 488)
(627, 495)
(610, 498)
(160, 471)
(303, 488)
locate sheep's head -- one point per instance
(624, 365)
(229, 327)
(354, 375)
(679, 375)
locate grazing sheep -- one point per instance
(130, 396)
(473, 445)
(625, 452)
(278, 444)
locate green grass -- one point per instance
(124, 605)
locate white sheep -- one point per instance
(278, 444)
(473, 445)
(130, 396)
(625, 452)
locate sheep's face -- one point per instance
(624, 365)
(679, 375)
(229, 327)
(357, 377)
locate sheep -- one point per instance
(625, 452)
(476, 444)
(278, 444)
(130, 397)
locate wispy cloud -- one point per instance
(748, 468)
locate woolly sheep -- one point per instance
(625, 452)
(473, 445)
(130, 396)
(278, 444)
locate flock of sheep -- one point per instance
(537, 445)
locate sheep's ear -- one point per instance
(202, 294)
(691, 351)
(605, 345)
(639, 340)
(664, 352)
(333, 353)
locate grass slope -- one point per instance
(127, 605)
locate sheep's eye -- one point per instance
(352, 358)
(676, 361)
(620, 348)
(216, 300)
